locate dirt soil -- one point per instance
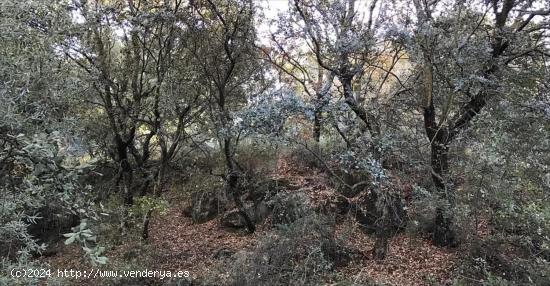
(178, 244)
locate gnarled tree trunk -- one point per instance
(232, 185)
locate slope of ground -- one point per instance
(177, 244)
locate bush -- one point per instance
(301, 253)
(304, 158)
(38, 181)
(257, 159)
(498, 260)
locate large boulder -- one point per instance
(290, 206)
(265, 190)
(206, 205)
(261, 196)
(234, 219)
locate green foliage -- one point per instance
(84, 236)
(145, 83)
(506, 183)
(35, 177)
(143, 205)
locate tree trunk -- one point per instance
(322, 100)
(126, 172)
(232, 185)
(439, 137)
(443, 234)
(352, 103)
(157, 191)
(317, 126)
(439, 161)
(145, 228)
(381, 245)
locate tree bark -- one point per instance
(352, 103)
(381, 247)
(157, 191)
(145, 228)
(232, 185)
(439, 138)
(381, 244)
(443, 234)
(126, 172)
(317, 125)
(439, 162)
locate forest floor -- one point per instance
(177, 244)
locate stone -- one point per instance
(262, 210)
(288, 207)
(207, 205)
(233, 219)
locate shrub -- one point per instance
(498, 260)
(301, 253)
(304, 157)
(38, 180)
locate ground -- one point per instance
(177, 244)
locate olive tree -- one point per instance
(131, 61)
(37, 181)
(225, 57)
(461, 51)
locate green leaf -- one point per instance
(70, 240)
(70, 234)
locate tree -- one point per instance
(37, 179)
(341, 43)
(461, 55)
(313, 79)
(131, 57)
(347, 45)
(228, 63)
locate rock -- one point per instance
(262, 210)
(206, 205)
(288, 207)
(265, 190)
(233, 219)
(262, 195)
